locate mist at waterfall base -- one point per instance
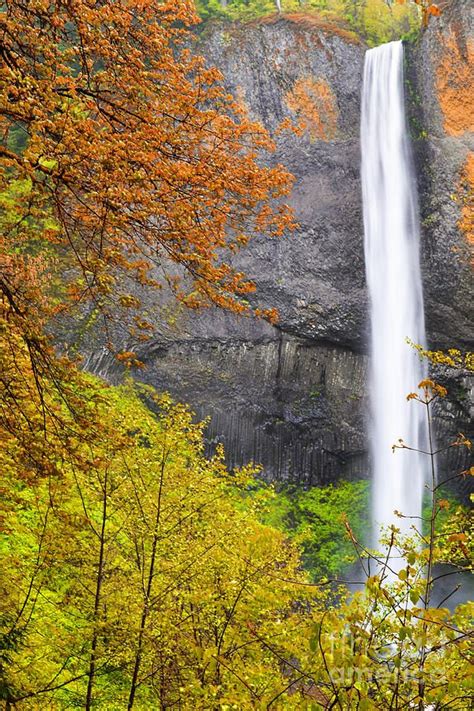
(391, 245)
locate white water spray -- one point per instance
(396, 300)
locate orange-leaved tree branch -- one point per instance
(122, 160)
(115, 129)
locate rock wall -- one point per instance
(294, 397)
(440, 93)
(440, 90)
(293, 68)
(291, 397)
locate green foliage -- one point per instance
(19, 213)
(384, 648)
(450, 504)
(315, 519)
(133, 556)
(376, 21)
(138, 573)
(235, 9)
(17, 139)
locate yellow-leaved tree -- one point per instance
(134, 576)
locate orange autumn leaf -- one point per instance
(133, 147)
(433, 10)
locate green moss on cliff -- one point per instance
(314, 519)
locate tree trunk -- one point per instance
(146, 601)
(98, 589)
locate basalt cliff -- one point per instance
(294, 397)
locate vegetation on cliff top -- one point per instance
(375, 21)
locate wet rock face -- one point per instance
(291, 405)
(294, 397)
(291, 398)
(440, 87)
(289, 69)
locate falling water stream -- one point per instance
(394, 283)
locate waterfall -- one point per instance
(391, 245)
